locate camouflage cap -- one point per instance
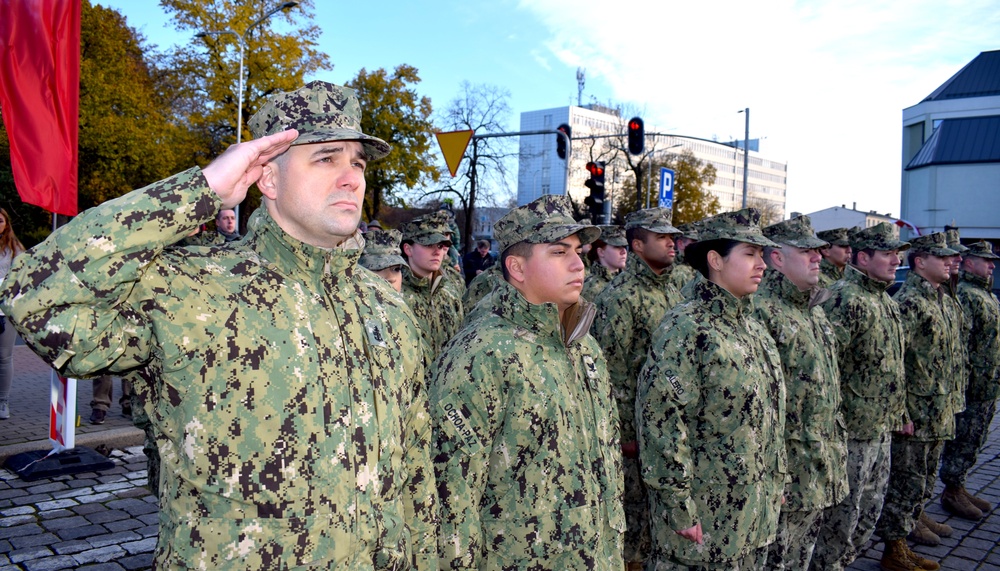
(954, 241)
(375, 225)
(796, 232)
(382, 250)
(320, 112)
(741, 225)
(935, 244)
(652, 219)
(426, 230)
(546, 219)
(613, 235)
(690, 230)
(879, 237)
(982, 249)
(834, 237)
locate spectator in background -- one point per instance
(10, 247)
(477, 261)
(225, 223)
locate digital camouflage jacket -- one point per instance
(982, 326)
(710, 413)
(829, 274)
(628, 311)
(597, 279)
(526, 448)
(870, 355)
(481, 285)
(815, 434)
(285, 380)
(934, 358)
(439, 313)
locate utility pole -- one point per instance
(580, 72)
(746, 154)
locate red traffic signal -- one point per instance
(595, 169)
(561, 141)
(636, 136)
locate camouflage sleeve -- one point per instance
(668, 385)
(72, 296)
(420, 502)
(844, 317)
(613, 329)
(466, 414)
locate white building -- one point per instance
(540, 171)
(951, 154)
(844, 217)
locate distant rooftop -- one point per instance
(961, 141)
(979, 78)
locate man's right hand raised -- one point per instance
(231, 173)
(692, 533)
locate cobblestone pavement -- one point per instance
(108, 521)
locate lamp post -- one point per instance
(746, 153)
(242, 44)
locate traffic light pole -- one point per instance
(569, 150)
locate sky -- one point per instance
(826, 81)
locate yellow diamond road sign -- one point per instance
(453, 145)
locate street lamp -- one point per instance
(649, 171)
(746, 153)
(242, 43)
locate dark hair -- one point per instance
(697, 254)
(912, 256)
(592, 253)
(522, 249)
(854, 254)
(640, 234)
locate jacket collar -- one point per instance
(856, 276)
(289, 255)
(720, 302)
(543, 319)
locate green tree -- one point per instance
(392, 110)
(692, 200)
(206, 71)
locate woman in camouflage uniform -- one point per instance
(710, 412)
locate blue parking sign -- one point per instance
(666, 188)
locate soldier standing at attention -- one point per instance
(836, 256)
(439, 312)
(932, 333)
(872, 390)
(526, 449)
(381, 256)
(607, 257)
(981, 311)
(710, 412)
(281, 379)
(628, 311)
(815, 437)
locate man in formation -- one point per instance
(836, 256)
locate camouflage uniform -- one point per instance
(872, 389)
(815, 433)
(438, 310)
(382, 250)
(628, 311)
(982, 320)
(710, 415)
(830, 274)
(932, 332)
(682, 273)
(525, 428)
(481, 286)
(599, 276)
(281, 379)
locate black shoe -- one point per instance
(98, 416)
(127, 409)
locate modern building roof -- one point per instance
(979, 78)
(961, 141)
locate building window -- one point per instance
(547, 120)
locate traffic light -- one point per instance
(561, 142)
(595, 200)
(636, 136)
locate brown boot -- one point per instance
(983, 505)
(926, 564)
(959, 504)
(896, 557)
(923, 535)
(634, 566)
(937, 528)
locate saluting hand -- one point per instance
(692, 533)
(231, 173)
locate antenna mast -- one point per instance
(579, 86)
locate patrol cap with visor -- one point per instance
(797, 232)
(935, 244)
(320, 112)
(426, 230)
(741, 226)
(542, 221)
(880, 237)
(653, 219)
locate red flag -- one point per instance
(40, 98)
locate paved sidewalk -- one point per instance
(28, 425)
